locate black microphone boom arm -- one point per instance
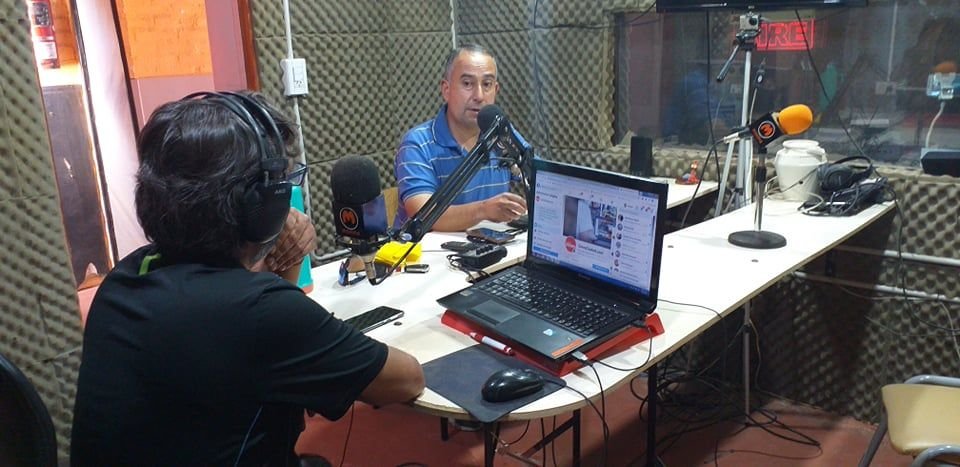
(420, 223)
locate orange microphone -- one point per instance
(792, 120)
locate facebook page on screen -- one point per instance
(601, 230)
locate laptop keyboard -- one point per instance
(552, 303)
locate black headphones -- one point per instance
(266, 199)
(839, 176)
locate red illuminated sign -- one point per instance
(786, 35)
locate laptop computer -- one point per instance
(594, 244)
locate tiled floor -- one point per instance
(395, 436)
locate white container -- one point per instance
(796, 165)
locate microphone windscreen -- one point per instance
(355, 180)
(947, 66)
(795, 119)
(487, 116)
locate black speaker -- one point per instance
(641, 156)
(940, 161)
(839, 175)
(266, 199)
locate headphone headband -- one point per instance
(274, 167)
(265, 201)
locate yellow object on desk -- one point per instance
(393, 251)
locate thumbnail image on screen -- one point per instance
(589, 221)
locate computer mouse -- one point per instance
(511, 383)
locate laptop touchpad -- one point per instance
(493, 312)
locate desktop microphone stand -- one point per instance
(746, 41)
(758, 238)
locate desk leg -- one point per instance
(747, 329)
(489, 443)
(573, 423)
(576, 438)
(652, 459)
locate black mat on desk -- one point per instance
(460, 375)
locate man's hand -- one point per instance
(297, 239)
(504, 207)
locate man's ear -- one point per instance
(444, 89)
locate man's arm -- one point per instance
(400, 380)
(504, 207)
(297, 239)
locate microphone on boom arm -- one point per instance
(509, 148)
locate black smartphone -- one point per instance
(459, 247)
(372, 319)
(489, 236)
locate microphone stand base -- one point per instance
(757, 239)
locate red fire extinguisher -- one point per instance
(41, 30)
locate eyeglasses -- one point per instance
(344, 277)
(298, 174)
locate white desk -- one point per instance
(679, 194)
(696, 258)
(421, 334)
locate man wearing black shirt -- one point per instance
(199, 349)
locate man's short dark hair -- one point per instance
(197, 159)
(468, 47)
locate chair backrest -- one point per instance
(391, 200)
(27, 436)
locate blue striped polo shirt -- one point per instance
(429, 154)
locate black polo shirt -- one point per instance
(181, 361)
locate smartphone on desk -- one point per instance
(372, 319)
(486, 235)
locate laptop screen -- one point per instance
(599, 224)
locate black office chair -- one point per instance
(27, 437)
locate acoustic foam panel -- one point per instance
(38, 315)
(419, 16)
(479, 16)
(417, 63)
(325, 17)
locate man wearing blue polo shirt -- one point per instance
(432, 151)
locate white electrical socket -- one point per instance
(294, 76)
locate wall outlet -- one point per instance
(294, 76)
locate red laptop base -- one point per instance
(613, 345)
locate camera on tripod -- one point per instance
(750, 22)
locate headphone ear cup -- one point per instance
(835, 177)
(263, 211)
(840, 176)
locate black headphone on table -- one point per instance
(838, 175)
(842, 192)
(266, 199)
